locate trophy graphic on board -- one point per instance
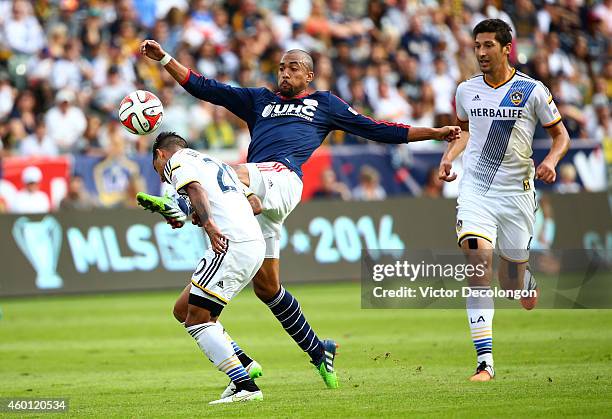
(41, 242)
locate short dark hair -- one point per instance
(497, 26)
(166, 140)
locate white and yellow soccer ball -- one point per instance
(141, 112)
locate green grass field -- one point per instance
(123, 355)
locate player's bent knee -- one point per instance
(265, 286)
(179, 313)
(266, 282)
(197, 315)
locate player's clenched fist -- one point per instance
(152, 49)
(444, 171)
(546, 172)
(449, 133)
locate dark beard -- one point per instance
(288, 92)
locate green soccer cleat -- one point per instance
(326, 367)
(164, 205)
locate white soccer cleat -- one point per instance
(484, 372)
(241, 396)
(254, 370)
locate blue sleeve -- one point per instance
(238, 100)
(345, 118)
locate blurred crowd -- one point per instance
(66, 64)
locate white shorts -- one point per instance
(505, 221)
(220, 276)
(280, 190)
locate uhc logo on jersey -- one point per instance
(305, 111)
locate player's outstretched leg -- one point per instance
(288, 312)
(252, 367)
(211, 340)
(480, 309)
(480, 313)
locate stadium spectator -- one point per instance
(444, 87)
(7, 95)
(331, 188)
(114, 90)
(219, 133)
(77, 198)
(38, 144)
(369, 188)
(176, 114)
(603, 130)
(25, 110)
(21, 30)
(90, 142)
(390, 106)
(65, 122)
(30, 200)
(567, 180)
(72, 70)
(433, 185)
(420, 44)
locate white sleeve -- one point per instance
(179, 173)
(545, 107)
(461, 113)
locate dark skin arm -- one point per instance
(201, 206)
(447, 133)
(255, 202)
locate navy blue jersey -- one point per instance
(289, 130)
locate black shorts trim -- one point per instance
(207, 304)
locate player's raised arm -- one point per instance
(151, 49)
(201, 206)
(237, 100)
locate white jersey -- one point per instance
(230, 209)
(502, 120)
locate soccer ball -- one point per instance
(141, 112)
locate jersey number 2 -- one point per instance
(223, 169)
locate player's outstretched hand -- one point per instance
(152, 49)
(444, 171)
(546, 172)
(449, 133)
(217, 240)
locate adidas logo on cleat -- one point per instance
(476, 98)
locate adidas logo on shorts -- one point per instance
(220, 284)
